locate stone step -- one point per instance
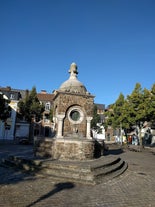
(90, 172)
(83, 167)
(24, 163)
(112, 172)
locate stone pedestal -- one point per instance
(66, 149)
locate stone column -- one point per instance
(88, 136)
(60, 118)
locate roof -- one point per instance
(100, 106)
(73, 85)
(45, 97)
(8, 89)
(13, 94)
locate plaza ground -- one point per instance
(134, 188)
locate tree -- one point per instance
(96, 118)
(133, 111)
(128, 112)
(137, 105)
(117, 110)
(151, 113)
(30, 108)
(116, 113)
(5, 109)
(51, 115)
(126, 119)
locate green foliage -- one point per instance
(96, 118)
(5, 109)
(30, 107)
(51, 115)
(151, 104)
(138, 107)
(117, 108)
(115, 114)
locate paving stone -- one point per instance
(134, 188)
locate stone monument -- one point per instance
(72, 114)
(70, 153)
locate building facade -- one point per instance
(7, 128)
(15, 128)
(45, 127)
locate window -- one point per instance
(46, 118)
(12, 96)
(47, 106)
(75, 115)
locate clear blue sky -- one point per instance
(111, 41)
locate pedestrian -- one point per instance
(134, 139)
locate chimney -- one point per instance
(8, 88)
(43, 92)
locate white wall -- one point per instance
(6, 133)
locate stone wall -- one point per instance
(64, 100)
(65, 149)
(68, 128)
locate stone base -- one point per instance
(66, 149)
(91, 172)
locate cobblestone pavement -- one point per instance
(136, 187)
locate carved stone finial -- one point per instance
(73, 70)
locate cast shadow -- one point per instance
(116, 151)
(12, 175)
(102, 149)
(58, 187)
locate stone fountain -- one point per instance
(70, 155)
(72, 114)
